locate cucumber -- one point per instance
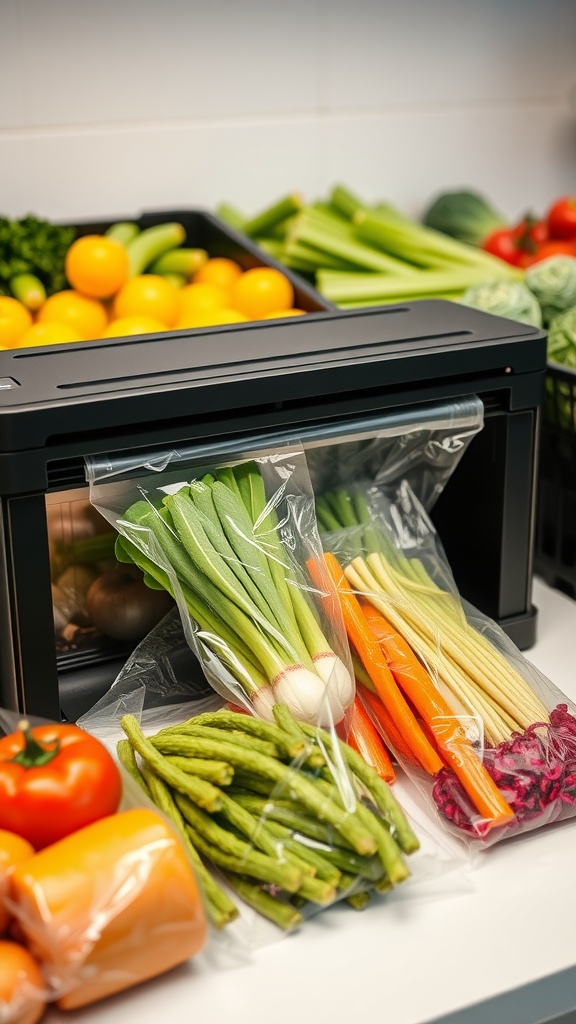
(29, 290)
(151, 243)
(124, 231)
(180, 261)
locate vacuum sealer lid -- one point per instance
(59, 389)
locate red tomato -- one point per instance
(549, 249)
(503, 243)
(530, 234)
(54, 779)
(561, 218)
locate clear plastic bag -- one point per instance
(231, 543)
(490, 741)
(109, 904)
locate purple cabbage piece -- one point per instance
(532, 770)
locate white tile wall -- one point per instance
(111, 106)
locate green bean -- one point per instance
(127, 759)
(217, 772)
(233, 853)
(255, 727)
(282, 914)
(323, 869)
(203, 793)
(239, 739)
(221, 910)
(314, 757)
(388, 851)
(285, 812)
(377, 788)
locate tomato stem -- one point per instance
(33, 753)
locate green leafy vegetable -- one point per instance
(553, 282)
(510, 299)
(36, 247)
(562, 338)
(464, 215)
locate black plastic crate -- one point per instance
(555, 540)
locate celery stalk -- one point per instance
(410, 241)
(339, 286)
(319, 231)
(345, 202)
(273, 215)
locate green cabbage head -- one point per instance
(562, 338)
(553, 282)
(511, 299)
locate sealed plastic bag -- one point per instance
(106, 897)
(489, 739)
(231, 544)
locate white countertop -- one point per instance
(404, 961)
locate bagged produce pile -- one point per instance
(310, 582)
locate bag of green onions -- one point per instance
(230, 543)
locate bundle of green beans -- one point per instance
(287, 813)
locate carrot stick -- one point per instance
(374, 662)
(439, 717)
(365, 739)
(372, 702)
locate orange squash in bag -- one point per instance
(22, 988)
(110, 906)
(13, 850)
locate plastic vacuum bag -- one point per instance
(231, 543)
(107, 905)
(490, 740)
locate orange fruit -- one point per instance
(200, 298)
(148, 295)
(97, 266)
(284, 312)
(219, 271)
(260, 291)
(87, 316)
(127, 325)
(49, 334)
(14, 321)
(210, 318)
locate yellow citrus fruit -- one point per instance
(87, 316)
(210, 318)
(200, 298)
(283, 312)
(127, 325)
(262, 290)
(15, 320)
(49, 334)
(96, 266)
(219, 271)
(148, 295)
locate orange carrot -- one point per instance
(374, 662)
(365, 739)
(390, 731)
(441, 720)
